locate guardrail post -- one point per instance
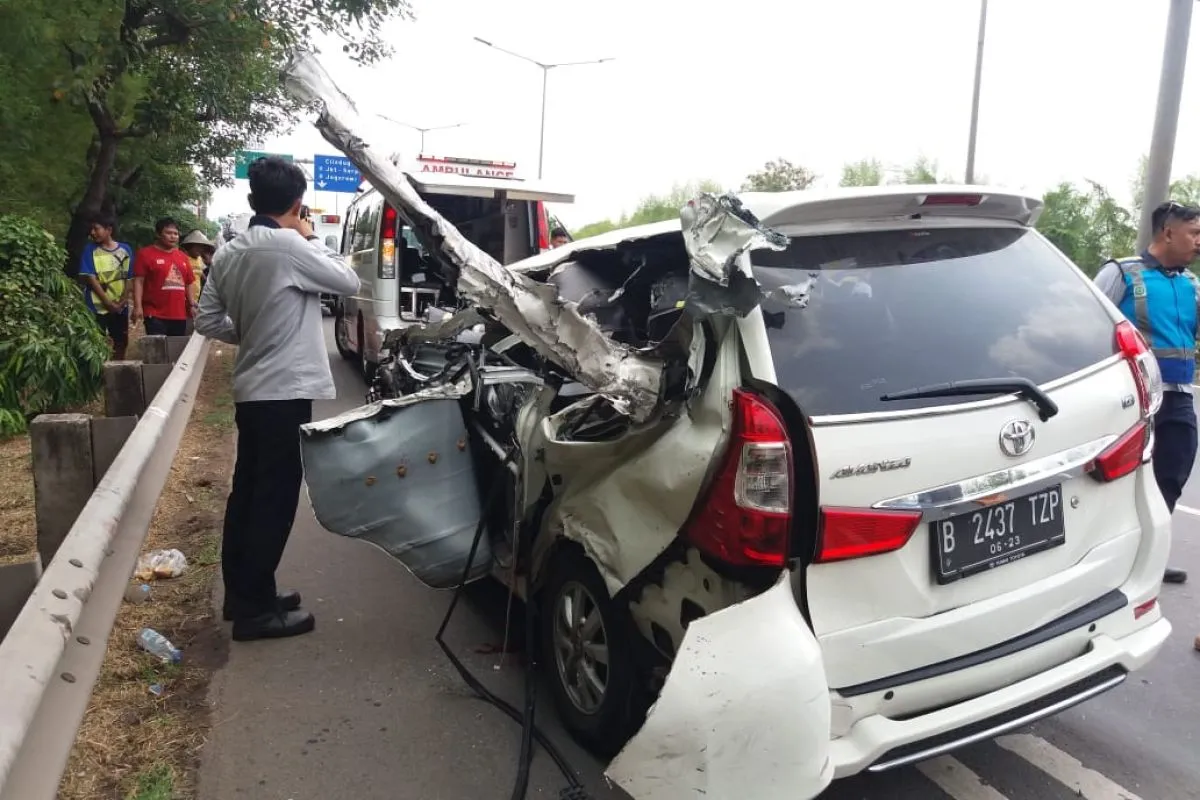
(124, 393)
(16, 583)
(61, 446)
(175, 346)
(108, 437)
(154, 350)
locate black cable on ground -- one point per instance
(530, 732)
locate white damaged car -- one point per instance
(825, 482)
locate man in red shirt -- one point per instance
(162, 274)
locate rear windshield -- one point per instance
(894, 310)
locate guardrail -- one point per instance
(52, 654)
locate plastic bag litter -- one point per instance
(159, 564)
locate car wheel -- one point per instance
(365, 366)
(341, 333)
(587, 655)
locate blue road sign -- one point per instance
(335, 174)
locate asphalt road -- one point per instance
(368, 707)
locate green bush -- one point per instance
(52, 352)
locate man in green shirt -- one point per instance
(106, 271)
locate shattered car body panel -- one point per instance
(647, 480)
(392, 474)
(705, 737)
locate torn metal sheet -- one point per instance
(645, 480)
(399, 474)
(629, 380)
(745, 711)
(718, 230)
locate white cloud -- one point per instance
(1069, 90)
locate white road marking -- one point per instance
(1066, 769)
(1195, 512)
(957, 780)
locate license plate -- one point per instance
(997, 535)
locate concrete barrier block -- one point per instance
(16, 584)
(124, 393)
(176, 344)
(61, 445)
(108, 437)
(154, 350)
(153, 377)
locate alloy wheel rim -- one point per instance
(580, 647)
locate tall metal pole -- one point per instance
(1166, 118)
(970, 176)
(542, 134)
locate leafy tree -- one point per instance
(51, 350)
(595, 229)
(652, 208)
(778, 176)
(137, 82)
(1184, 190)
(867, 172)
(1090, 226)
(920, 172)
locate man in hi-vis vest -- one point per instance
(1158, 293)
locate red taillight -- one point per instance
(746, 518)
(543, 226)
(858, 532)
(388, 230)
(330, 219)
(1142, 609)
(1146, 375)
(387, 244)
(952, 200)
(1122, 456)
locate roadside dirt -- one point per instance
(147, 721)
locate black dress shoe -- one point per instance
(273, 625)
(1174, 576)
(285, 601)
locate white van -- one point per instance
(503, 216)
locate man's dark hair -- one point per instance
(1171, 210)
(275, 185)
(165, 222)
(558, 233)
(105, 220)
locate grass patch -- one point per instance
(157, 783)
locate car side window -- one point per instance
(348, 232)
(364, 227)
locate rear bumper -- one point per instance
(878, 743)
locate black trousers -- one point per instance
(1174, 445)
(156, 326)
(262, 504)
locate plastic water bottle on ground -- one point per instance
(158, 645)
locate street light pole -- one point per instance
(1166, 117)
(970, 176)
(420, 130)
(545, 80)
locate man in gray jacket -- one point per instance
(263, 295)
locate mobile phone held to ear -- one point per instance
(304, 212)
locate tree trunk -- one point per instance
(92, 202)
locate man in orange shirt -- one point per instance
(162, 275)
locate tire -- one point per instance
(340, 340)
(365, 367)
(600, 720)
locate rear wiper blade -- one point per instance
(1024, 387)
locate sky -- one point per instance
(1069, 92)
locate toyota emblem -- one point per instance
(1016, 437)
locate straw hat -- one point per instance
(197, 237)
